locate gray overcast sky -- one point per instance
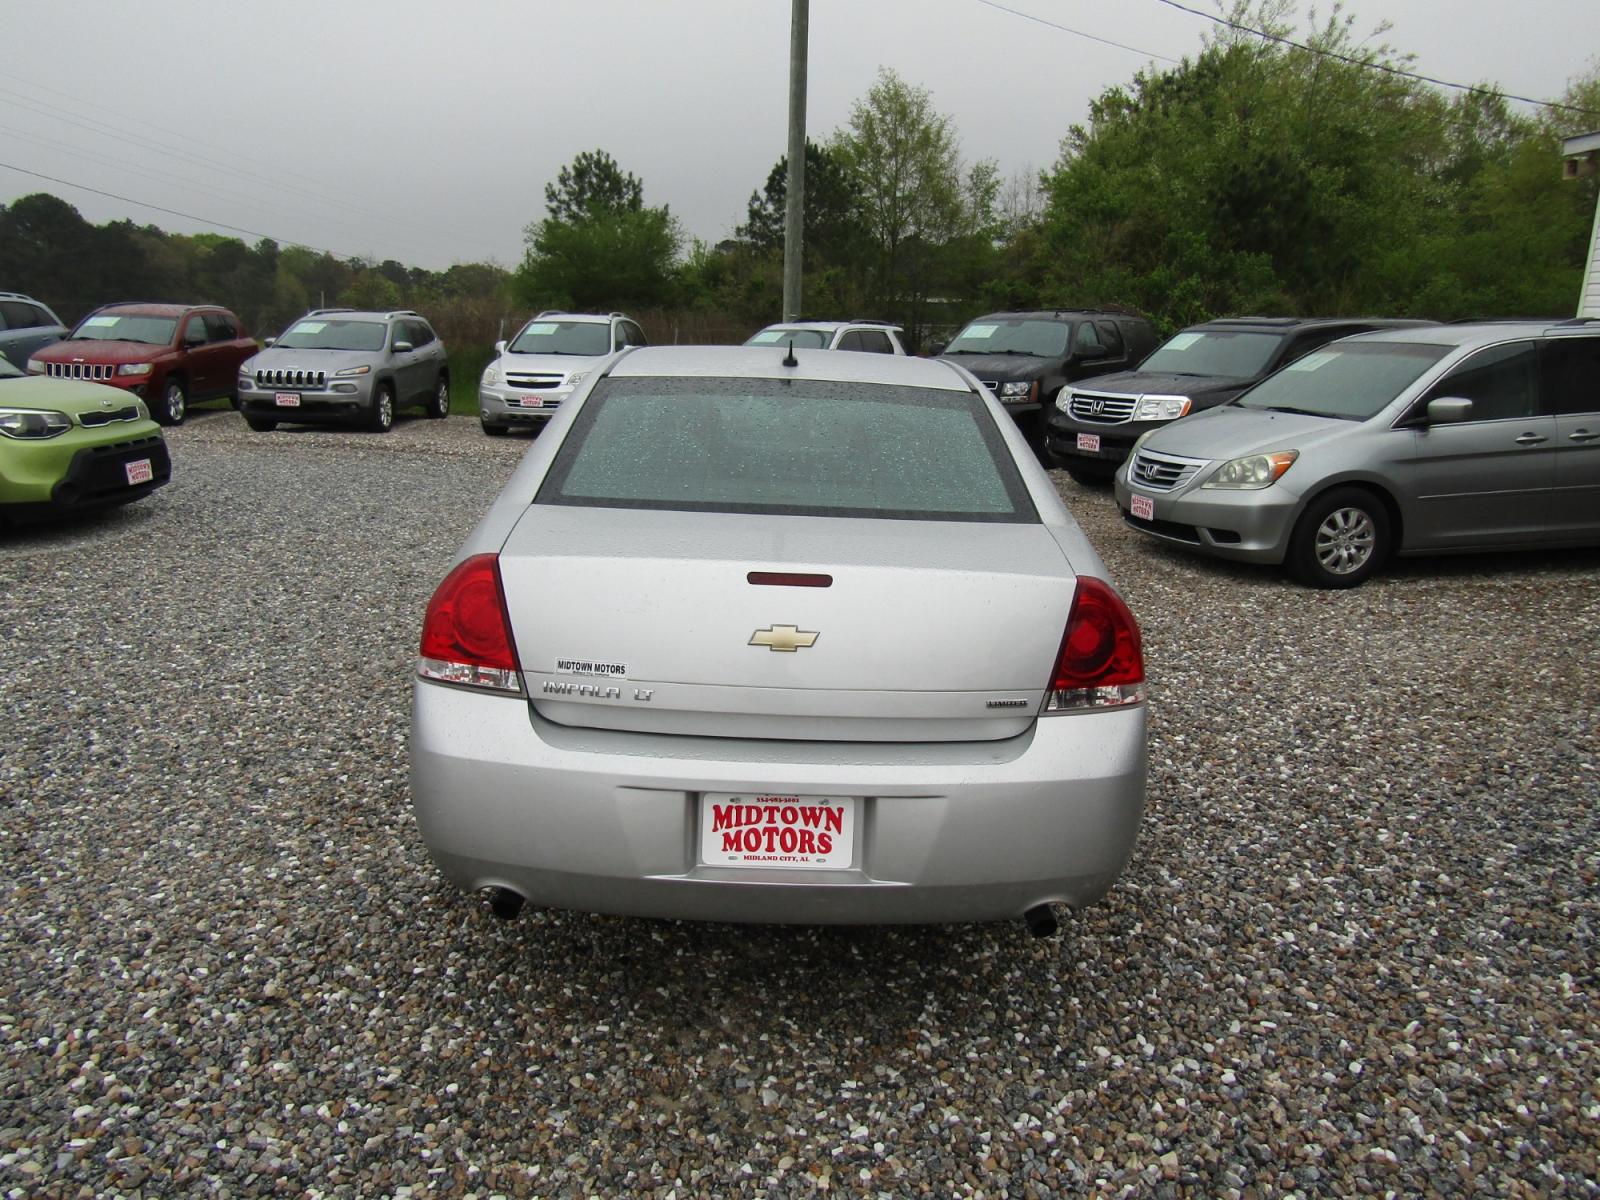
(425, 132)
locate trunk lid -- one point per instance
(643, 620)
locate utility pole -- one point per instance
(794, 210)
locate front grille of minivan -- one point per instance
(294, 377)
(1162, 472)
(79, 370)
(1102, 407)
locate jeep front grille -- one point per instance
(1163, 472)
(91, 419)
(79, 370)
(1102, 407)
(294, 377)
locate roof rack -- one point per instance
(403, 312)
(322, 312)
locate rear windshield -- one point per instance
(789, 447)
(1214, 354)
(108, 327)
(1352, 381)
(800, 339)
(587, 338)
(1020, 335)
(327, 333)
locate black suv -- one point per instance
(1027, 358)
(1090, 430)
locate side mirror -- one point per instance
(271, 341)
(937, 348)
(403, 347)
(1447, 410)
(1085, 353)
(500, 346)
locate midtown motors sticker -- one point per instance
(593, 667)
(777, 831)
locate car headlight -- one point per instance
(133, 369)
(1162, 408)
(576, 378)
(349, 371)
(144, 413)
(1015, 389)
(35, 367)
(491, 376)
(32, 423)
(1253, 472)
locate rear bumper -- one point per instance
(604, 821)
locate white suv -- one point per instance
(539, 368)
(875, 337)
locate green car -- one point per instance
(67, 445)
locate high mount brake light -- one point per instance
(1101, 661)
(466, 635)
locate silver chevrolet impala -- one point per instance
(761, 634)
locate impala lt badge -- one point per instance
(783, 639)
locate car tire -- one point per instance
(173, 405)
(439, 404)
(381, 418)
(494, 430)
(261, 424)
(1340, 540)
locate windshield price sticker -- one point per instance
(807, 832)
(309, 327)
(544, 330)
(1182, 341)
(765, 336)
(590, 666)
(980, 331)
(100, 322)
(1312, 361)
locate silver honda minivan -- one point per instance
(1410, 441)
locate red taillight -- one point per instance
(466, 636)
(1101, 662)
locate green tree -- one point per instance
(915, 200)
(592, 183)
(599, 246)
(830, 228)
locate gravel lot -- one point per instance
(1355, 952)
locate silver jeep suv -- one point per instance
(348, 366)
(539, 368)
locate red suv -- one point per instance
(170, 354)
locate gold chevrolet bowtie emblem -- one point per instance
(783, 638)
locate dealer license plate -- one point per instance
(1142, 507)
(1088, 441)
(757, 830)
(286, 399)
(531, 401)
(138, 471)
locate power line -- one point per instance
(1371, 65)
(282, 182)
(1093, 37)
(172, 212)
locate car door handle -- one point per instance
(1531, 439)
(1583, 435)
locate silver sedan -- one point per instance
(761, 635)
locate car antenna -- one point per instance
(789, 360)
